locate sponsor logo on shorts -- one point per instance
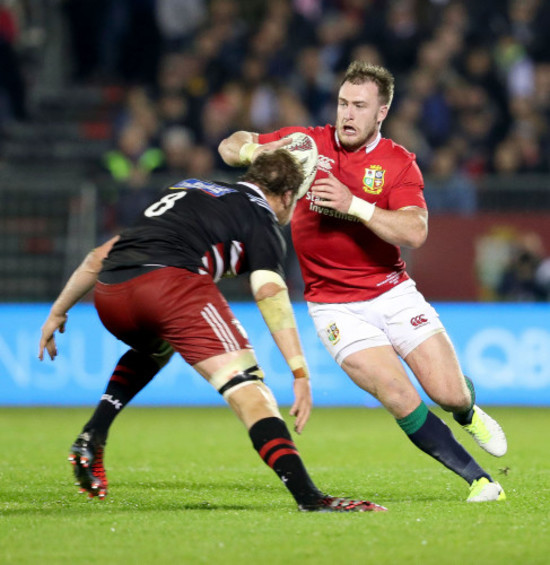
(333, 333)
(419, 320)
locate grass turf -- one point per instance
(187, 487)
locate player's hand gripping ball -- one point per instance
(304, 148)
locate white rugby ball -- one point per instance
(304, 148)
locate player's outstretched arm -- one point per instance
(271, 295)
(79, 284)
(242, 147)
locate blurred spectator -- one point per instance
(12, 82)
(476, 120)
(86, 20)
(176, 145)
(335, 33)
(478, 68)
(402, 36)
(297, 28)
(134, 158)
(313, 83)
(435, 113)
(130, 42)
(138, 108)
(221, 44)
(202, 163)
(402, 127)
(528, 130)
(542, 278)
(172, 108)
(221, 114)
(447, 189)
(515, 66)
(127, 188)
(290, 110)
(506, 159)
(259, 94)
(178, 20)
(521, 16)
(519, 280)
(182, 75)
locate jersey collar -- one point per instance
(256, 189)
(368, 148)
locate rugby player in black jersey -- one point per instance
(154, 289)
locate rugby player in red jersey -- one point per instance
(365, 203)
(154, 289)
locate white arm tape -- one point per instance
(261, 277)
(298, 366)
(361, 209)
(246, 152)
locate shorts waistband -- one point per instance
(123, 275)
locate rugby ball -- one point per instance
(304, 148)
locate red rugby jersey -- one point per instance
(341, 259)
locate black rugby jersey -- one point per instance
(213, 228)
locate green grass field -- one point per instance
(187, 487)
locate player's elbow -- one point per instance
(416, 237)
(222, 147)
(266, 284)
(268, 290)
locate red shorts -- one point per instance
(175, 305)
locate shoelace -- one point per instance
(345, 503)
(478, 429)
(98, 470)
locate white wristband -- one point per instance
(246, 152)
(361, 209)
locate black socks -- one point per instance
(432, 435)
(271, 439)
(132, 373)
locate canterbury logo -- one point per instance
(324, 163)
(419, 320)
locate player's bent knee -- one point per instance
(250, 376)
(242, 371)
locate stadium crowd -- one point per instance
(474, 77)
(473, 80)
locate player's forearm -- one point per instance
(288, 342)
(407, 227)
(272, 298)
(79, 284)
(82, 280)
(234, 149)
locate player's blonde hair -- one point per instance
(360, 72)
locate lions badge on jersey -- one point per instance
(373, 181)
(333, 333)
